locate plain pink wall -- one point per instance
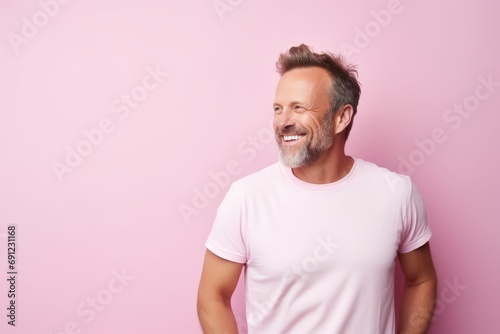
(68, 66)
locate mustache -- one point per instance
(291, 130)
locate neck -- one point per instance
(332, 166)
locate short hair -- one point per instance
(345, 86)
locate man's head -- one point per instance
(316, 100)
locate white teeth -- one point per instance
(289, 138)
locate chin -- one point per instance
(290, 164)
(293, 161)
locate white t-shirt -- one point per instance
(320, 258)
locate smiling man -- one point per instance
(318, 232)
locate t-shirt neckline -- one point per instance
(323, 186)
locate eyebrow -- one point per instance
(290, 104)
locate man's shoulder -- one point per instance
(260, 177)
(385, 177)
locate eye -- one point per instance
(277, 109)
(299, 108)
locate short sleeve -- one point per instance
(227, 237)
(416, 231)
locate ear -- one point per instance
(343, 118)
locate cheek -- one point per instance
(275, 124)
(310, 123)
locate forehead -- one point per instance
(303, 84)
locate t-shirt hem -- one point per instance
(416, 244)
(224, 253)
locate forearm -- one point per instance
(417, 308)
(216, 317)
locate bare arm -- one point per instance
(417, 306)
(218, 281)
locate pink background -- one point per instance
(119, 209)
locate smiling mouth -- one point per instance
(291, 138)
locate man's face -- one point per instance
(303, 128)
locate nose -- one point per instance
(284, 118)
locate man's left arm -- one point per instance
(417, 305)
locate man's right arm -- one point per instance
(218, 281)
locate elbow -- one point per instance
(207, 301)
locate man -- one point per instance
(319, 231)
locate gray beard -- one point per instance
(307, 154)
